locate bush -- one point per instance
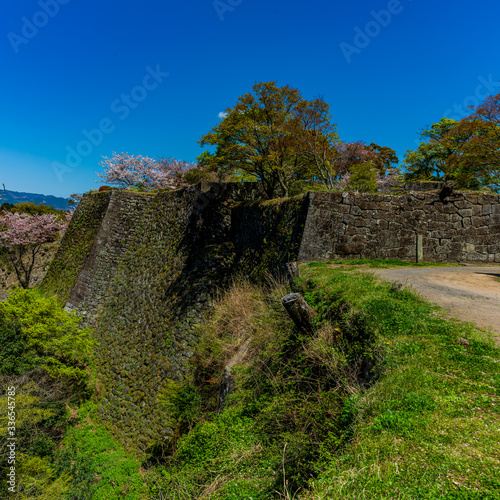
(51, 337)
(15, 356)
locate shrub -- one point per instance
(51, 337)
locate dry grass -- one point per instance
(241, 319)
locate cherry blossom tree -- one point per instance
(170, 172)
(128, 171)
(23, 236)
(74, 199)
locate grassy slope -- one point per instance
(302, 422)
(430, 427)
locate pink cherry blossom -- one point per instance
(126, 171)
(23, 235)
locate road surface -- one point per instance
(467, 293)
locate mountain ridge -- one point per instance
(40, 199)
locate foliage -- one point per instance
(125, 170)
(180, 402)
(40, 420)
(23, 235)
(39, 479)
(429, 160)
(283, 419)
(384, 396)
(30, 208)
(88, 462)
(465, 151)
(285, 142)
(363, 178)
(15, 358)
(74, 199)
(198, 174)
(428, 427)
(51, 337)
(173, 172)
(98, 466)
(273, 136)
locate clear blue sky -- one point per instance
(72, 69)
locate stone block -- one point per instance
(487, 209)
(355, 210)
(449, 208)
(479, 221)
(348, 249)
(477, 210)
(462, 204)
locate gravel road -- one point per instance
(467, 293)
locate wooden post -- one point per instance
(420, 248)
(300, 311)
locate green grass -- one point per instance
(380, 263)
(430, 426)
(385, 400)
(306, 421)
(99, 467)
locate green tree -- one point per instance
(384, 159)
(36, 331)
(429, 160)
(465, 151)
(363, 178)
(273, 136)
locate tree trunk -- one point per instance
(300, 311)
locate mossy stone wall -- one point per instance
(460, 227)
(267, 235)
(76, 245)
(147, 283)
(145, 268)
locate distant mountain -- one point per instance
(39, 199)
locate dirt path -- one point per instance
(467, 293)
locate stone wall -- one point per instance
(145, 284)
(145, 268)
(461, 227)
(124, 215)
(267, 235)
(76, 245)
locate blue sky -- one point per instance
(83, 79)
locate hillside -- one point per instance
(193, 381)
(39, 199)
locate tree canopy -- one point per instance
(23, 235)
(272, 135)
(465, 151)
(142, 172)
(287, 143)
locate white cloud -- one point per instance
(222, 115)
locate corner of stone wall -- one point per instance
(76, 245)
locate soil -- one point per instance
(467, 293)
